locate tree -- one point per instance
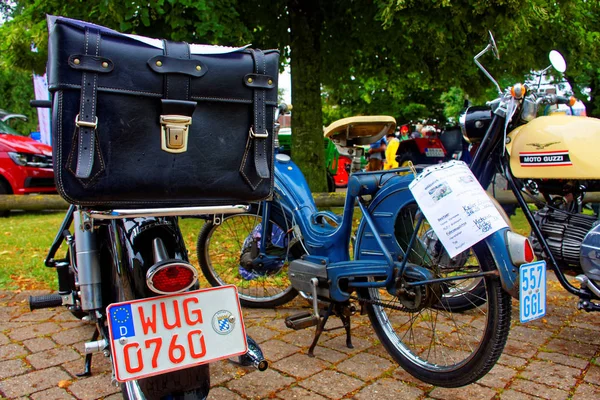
(16, 87)
(393, 57)
(525, 32)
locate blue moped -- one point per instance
(397, 272)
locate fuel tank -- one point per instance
(556, 147)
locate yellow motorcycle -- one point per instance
(551, 156)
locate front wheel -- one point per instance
(228, 254)
(426, 335)
(437, 345)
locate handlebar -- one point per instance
(40, 103)
(553, 99)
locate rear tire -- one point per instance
(330, 183)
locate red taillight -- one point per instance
(519, 248)
(528, 253)
(166, 278)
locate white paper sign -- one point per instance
(455, 205)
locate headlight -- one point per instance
(529, 109)
(474, 123)
(462, 119)
(31, 160)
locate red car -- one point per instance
(25, 165)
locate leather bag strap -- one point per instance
(260, 120)
(177, 85)
(255, 172)
(87, 120)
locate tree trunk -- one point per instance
(307, 121)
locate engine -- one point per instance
(564, 233)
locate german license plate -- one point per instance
(532, 288)
(434, 152)
(163, 334)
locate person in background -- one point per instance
(390, 151)
(376, 154)
(417, 133)
(404, 134)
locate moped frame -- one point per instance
(327, 242)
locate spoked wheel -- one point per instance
(461, 295)
(426, 336)
(229, 255)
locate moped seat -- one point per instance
(361, 130)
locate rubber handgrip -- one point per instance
(44, 301)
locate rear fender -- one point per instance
(131, 252)
(126, 256)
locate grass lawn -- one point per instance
(26, 237)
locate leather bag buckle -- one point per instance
(259, 135)
(86, 124)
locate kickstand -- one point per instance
(319, 330)
(87, 367)
(346, 321)
(344, 312)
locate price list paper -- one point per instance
(456, 207)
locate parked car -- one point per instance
(25, 164)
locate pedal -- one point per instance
(301, 321)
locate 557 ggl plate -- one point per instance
(532, 291)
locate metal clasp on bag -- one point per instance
(259, 135)
(174, 133)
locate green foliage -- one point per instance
(25, 239)
(16, 87)
(196, 21)
(404, 58)
(453, 101)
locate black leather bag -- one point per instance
(140, 122)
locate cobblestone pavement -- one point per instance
(557, 357)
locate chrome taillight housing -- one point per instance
(519, 248)
(171, 276)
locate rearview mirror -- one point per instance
(493, 46)
(557, 61)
